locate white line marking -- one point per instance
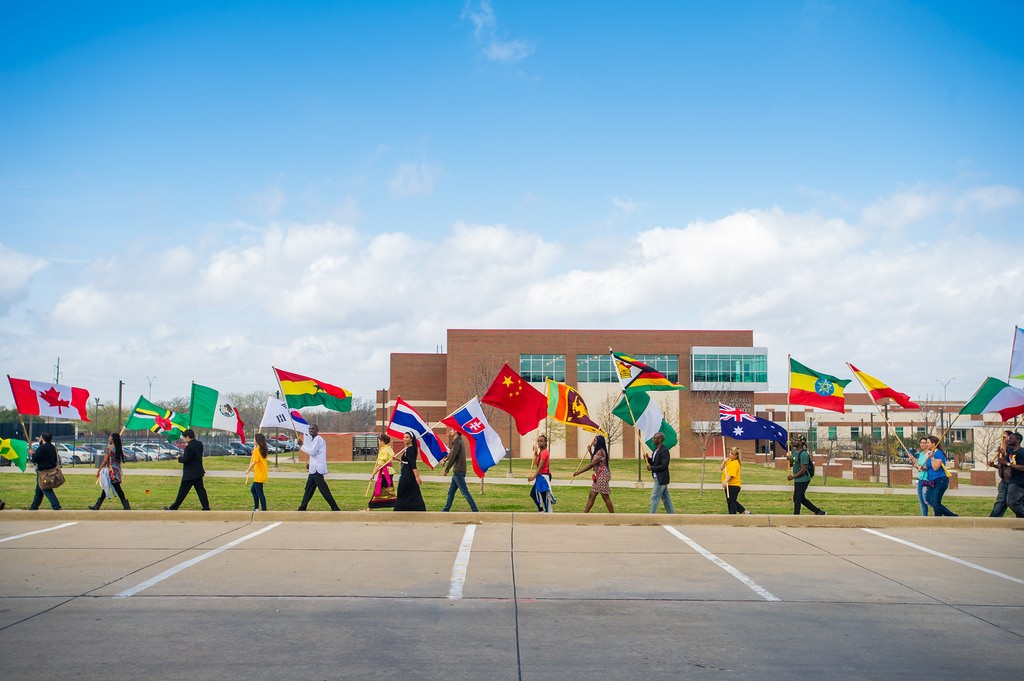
(747, 581)
(170, 572)
(943, 555)
(461, 564)
(27, 534)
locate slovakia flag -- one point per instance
(405, 419)
(484, 443)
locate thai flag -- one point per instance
(405, 419)
(485, 446)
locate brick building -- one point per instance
(713, 364)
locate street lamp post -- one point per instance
(150, 379)
(942, 409)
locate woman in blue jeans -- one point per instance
(921, 469)
(938, 479)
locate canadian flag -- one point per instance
(36, 398)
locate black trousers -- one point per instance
(120, 495)
(732, 498)
(799, 498)
(186, 485)
(314, 482)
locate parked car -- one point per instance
(217, 450)
(239, 449)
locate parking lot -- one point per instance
(502, 596)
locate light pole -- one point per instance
(942, 409)
(150, 379)
(97, 416)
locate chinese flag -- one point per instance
(510, 393)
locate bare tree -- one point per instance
(602, 416)
(701, 411)
(987, 441)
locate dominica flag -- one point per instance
(640, 410)
(302, 391)
(212, 409)
(635, 376)
(815, 389)
(998, 397)
(565, 405)
(15, 451)
(148, 416)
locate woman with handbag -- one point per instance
(46, 461)
(112, 461)
(601, 476)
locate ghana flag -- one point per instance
(302, 391)
(815, 389)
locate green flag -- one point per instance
(16, 451)
(649, 418)
(148, 416)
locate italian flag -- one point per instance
(212, 409)
(996, 397)
(649, 418)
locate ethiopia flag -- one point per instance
(565, 405)
(16, 451)
(640, 410)
(302, 391)
(212, 409)
(635, 376)
(880, 391)
(998, 397)
(148, 416)
(814, 389)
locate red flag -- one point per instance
(39, 398)
(510, 393)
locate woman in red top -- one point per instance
(541, 493)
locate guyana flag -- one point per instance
(16, 451)
(302, 391)
(565, 405)
(815, 389)
(148, 416)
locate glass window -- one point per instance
(876, 432)
(832, 433)
(537, 368)
(855, 433)
(899, 431)
(595, 369)
(728, 368)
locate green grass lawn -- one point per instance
(155, 492)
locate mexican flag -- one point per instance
(995, 396)
(148, 416)
(16, 451)
(649, 418)
(212, 409)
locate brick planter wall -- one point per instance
(983, 477)
(901, 475)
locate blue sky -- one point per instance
(371, 164)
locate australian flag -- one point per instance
(739, 425)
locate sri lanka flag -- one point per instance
(405, 419)
(880, 391)
(814, 389)
(566, 405)
(485, 447)
(635, 376)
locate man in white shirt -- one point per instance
(315, 447)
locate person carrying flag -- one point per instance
(457, 465)
(800, 461)
(541, 476)
(315, 448)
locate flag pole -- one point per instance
(789, 394)
(284, 397)
(632, 416)
(1013, 349)
(885, 419)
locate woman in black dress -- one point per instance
(409, 496)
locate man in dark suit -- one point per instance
(658, 466)
(192, 472)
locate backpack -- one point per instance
(810, 463)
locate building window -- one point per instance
(731, 367)
(958, 435)
(595, 369)
(854, 433)
(537, 368)
(876, 432)
(899, 431)
(832, 433)
(921, 432)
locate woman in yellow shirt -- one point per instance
(731, 482)
(258, 466)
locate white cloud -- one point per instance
(414, 179)
(487, 34)
(15, 274)
(332, 301)
(626, 206)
